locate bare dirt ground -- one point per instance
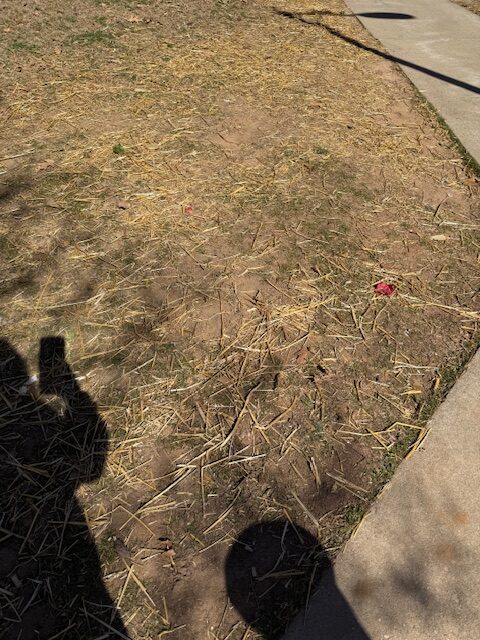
(200, 197)
(473, 5)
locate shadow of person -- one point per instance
(272, 571)
(52, 440)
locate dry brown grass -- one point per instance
(215, 281)
(473, 5)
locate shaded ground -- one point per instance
(50, 575)
(270, 549)
(200, 198)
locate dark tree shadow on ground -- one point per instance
(380, 15)
(272, 571)
(52, 440)
(316, 15)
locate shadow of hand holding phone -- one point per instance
(52, 440)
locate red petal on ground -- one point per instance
(384, 289)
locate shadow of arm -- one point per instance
(84, 438)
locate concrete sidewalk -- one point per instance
(440, 50)
(412, 571)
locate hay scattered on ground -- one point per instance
(200, 197)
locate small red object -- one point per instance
(384, 289)
(188, 209)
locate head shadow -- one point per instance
(52, 441)
(272, 572)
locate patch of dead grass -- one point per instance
(215, 282)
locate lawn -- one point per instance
(200, 197)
